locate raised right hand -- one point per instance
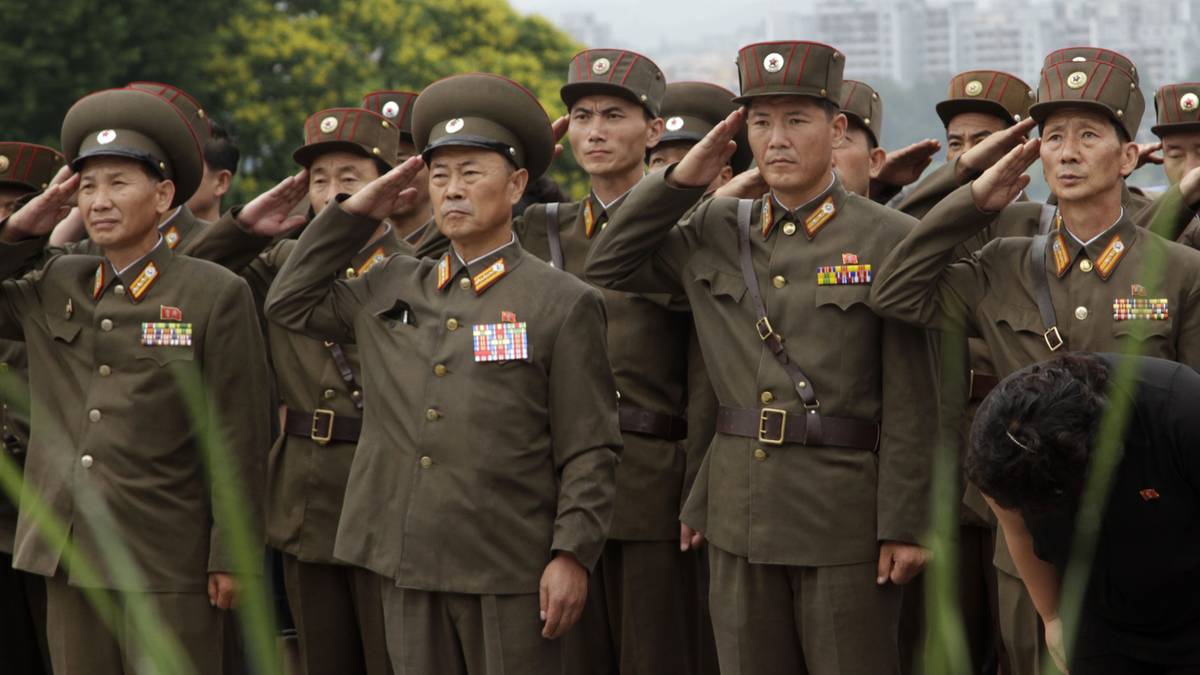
(267, 214)
(1000, 185)
(387, 194)
(38, 217)
(704, 161)
(992, 149)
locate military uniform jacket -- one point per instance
(482, 451)
(177, 231)
(789, 504)
(306, 479)
(647, 346)
(112, 433)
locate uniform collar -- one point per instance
(596, 213)
(809, 218)
(136, 280)
(418, 234)
(380, 249)
(1103, 253)
(481, 273)
(179, 226)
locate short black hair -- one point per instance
(853, 122)
(220, 151)
(1032, 437)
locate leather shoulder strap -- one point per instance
(767, 334)
(1046, 219)
(553, 236)
(347, 373)
(1041, 290)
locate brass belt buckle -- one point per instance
(1053, 338)
(763, 416)
(315, 432)
(763, 326)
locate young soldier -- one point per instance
(414, 220)
(115, 452)
(1178, 116)
(858, 158)
(690, 111)
(802, 514)
(221, 157)
(483, 481)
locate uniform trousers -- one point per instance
(23, 617)
(1020, 627)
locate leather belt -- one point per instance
(659, 425)
(982, 384)
(773, 426)
(322, 426)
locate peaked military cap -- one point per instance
(790, 68)
(615, 72)
(188, 105)
(138, 125)
(692, 109)
(396, 106)
(354, 130)
(486, 111)
(863, 104)
(1107, 86)
(27, 166)
(1093, 54)
(990, 92)
(1178, 108)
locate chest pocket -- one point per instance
(165, 354)
(844, 298)
(62, 330)
(719, 282)
(1142, 330)
(1016, 319)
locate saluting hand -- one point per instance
(559, 129)
(562, 594)
(387, 194)
(704, 161)
(1000, 185)
(1189, 186)
(39, 216)
(748, 184)
(904, 166)
(1148, 153)
(267, 214)
(900, 562)
(69, 229)
(993, 148)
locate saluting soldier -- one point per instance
(483, 482)
(416, 219)
(336, 607)
(859, 156)
(812, 497)
(1178, 127)
(1090, 280)
(115, 453)
(25, 169)
(690, 110)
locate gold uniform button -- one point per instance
(351, 272)
(106, 325)
(1081, 313)
(452, 324)
(356, 395)
(426, 462)
(789, 229)
(779, 282)
(329, 394)
(86, 461)
(432, 415)
(766, 397)
(464, 283)
(439, 369)
(119, 289)
(94, 415)
(1085, 265)
(105, 371)
(760, 454)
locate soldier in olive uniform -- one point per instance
(115, 453)
(690, 110)
(1178, 126)
(1090, 280)
(415, 219)
(859, 157)
(25, 169)
(484, 478)
(811, 496)
(336, 607)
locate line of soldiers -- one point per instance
(682, 425)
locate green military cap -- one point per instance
(486, 111)
(189, 106)
(27, 166)
(987, 91)
(354, 130)
(692, 109)
(139, 125)
(790, 68)
(1178, 108)
(1102, 85)
(863, 104)
(615, 72)
(1093, 54)
(396, 106)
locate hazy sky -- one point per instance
(646, 23)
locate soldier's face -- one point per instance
(855, 160)
(120, 202)
(666, 154)
(1181, 153)
(792, 138)
(1082, 154)
(473, 192)
(966, 130)
(8, 200)
(213, 185)
(420, 183)
(609, 135)
(335, 173)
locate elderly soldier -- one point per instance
(415, 219)
(25, 169)
(811, 496)
(1178, 125)
(484, 477)
(1095, 281)
(336, 607)
(115, 454)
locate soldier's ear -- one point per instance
(164, 195)
(657, 126)
(878, 157)
(517, 182)
(839, 127)
(1129, 158)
